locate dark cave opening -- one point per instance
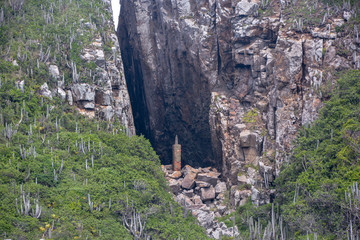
(175, 103)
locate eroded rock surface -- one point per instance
(234, 84)
(101, 90)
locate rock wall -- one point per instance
(98, 91)
(235, 79)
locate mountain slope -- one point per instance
(69, 165)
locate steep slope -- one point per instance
(318, 191)
(70, 167)
(70, 53)
(237, 77)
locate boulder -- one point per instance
(54, 71)
(103, 97)
(255, 195)
(205, 218)
(184, 200)
(188, 169)
(220, 187)
(207, 193)
(197, 200)
(246, 7)
(220, 196)
(239, 197)
(189, 193)
(266, 170)
(189, 181)
(69, 97)
(107, 113)
(99, 57)
(210, 177)
(242, 179)
(202, 184)
(89, 105)
(231, 232)
(221, 209)
(247, 139)
(83, 92)
(168, 167)
(174, 186)
(61, 93)
(44, 90)
(175, 175)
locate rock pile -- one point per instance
(200, 191)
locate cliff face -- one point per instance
(234, 79)
(92, 77)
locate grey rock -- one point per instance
(218, 54)
(211, 177)
(247, 139)
(206, 218)
(197, 200)
(245, 7)
(347, 15)
(184, 200)
(83, 92)
(201, 184)
(107, 113)
(207, 193)
(61, 93)
(20, 85)
(221, 209)
(88, 105)
(54, 71)
(220, 187)
(44, 90)
(103, 97)
(174, 186)
(255, 195)
(242, 179)
(99, 57)
(189, 181)
(69, 97)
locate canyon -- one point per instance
(235, 80)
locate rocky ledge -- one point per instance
(202, 193)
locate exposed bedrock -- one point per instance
(234, 86)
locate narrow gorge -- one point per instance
(193, 119)
(234, 79)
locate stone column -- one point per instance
(176, 150)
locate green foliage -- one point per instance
(62, 158)
(59, 171)
(250, 116)
(324, 164)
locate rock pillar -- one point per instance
(176, 150)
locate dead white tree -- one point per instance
(134, 221)
(16, 5)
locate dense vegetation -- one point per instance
(325, 163)
(64, 176)
(318, 195)
(86, 176)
